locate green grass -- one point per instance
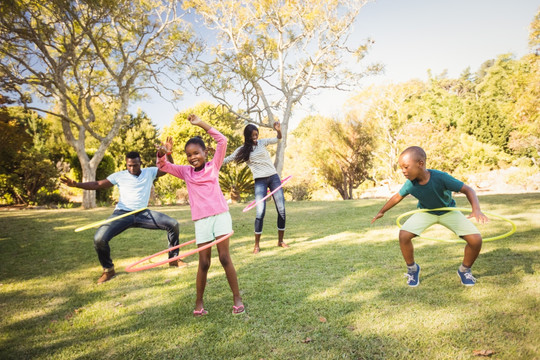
(337, 293)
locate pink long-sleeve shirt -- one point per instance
(205, 196)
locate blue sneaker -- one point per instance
(467, 278)
(413, 278)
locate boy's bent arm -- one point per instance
(394, 200)
(475, 204)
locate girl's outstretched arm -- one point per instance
(195, 120)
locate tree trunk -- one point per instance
(280, 152)
(89, 196)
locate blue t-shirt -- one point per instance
(437, 193)
(134, 190)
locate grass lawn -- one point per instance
(337, 293)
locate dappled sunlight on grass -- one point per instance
(337, 292)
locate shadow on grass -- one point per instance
(338, 292)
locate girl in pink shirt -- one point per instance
(209, 208)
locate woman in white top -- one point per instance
(255, 155)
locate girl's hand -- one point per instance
(277, 126)
(194, 119)
(165, 148)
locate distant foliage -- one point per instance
(340, 150)
(478, 122)
(105, 168)
(300, 191)
(236, 181)
(137, 134)
(27, 161)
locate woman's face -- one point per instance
(254, 136)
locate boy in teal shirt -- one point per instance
(433, 189)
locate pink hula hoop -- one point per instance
(132, 268)
(252, 204)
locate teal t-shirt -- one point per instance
(437, 193)
(134, 190)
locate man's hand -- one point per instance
(69, 182)
(277, 126)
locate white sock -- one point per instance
(412, 268)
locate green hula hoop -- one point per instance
(513, 230)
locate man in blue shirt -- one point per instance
(134, 185)
(433, 189)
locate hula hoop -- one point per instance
(99, 223)
(132, 268)
(513, 230)
(254, 203)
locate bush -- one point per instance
(300, 191)
(166, 189)
(46, 197)
(236, 181)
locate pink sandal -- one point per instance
(237, 310)
(199, 313)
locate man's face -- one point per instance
(134, 166)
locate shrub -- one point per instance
(237, 181)
(300, 191)
(46, 197)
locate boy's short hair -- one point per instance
(416, 151)
(133, 155)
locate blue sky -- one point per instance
(412, 36)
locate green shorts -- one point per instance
(206, 229)
(453, 220)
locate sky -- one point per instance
(411, 37)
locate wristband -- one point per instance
(169, 153)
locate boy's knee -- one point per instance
(405, 236)
(474, 240)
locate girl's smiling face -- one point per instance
(196, 156)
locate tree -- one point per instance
(77, 55)
(343, 156)
(271, 54)
(25, 160)
(138, 134)
(388, 110)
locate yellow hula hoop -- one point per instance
(99, 223)
(513, 230)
